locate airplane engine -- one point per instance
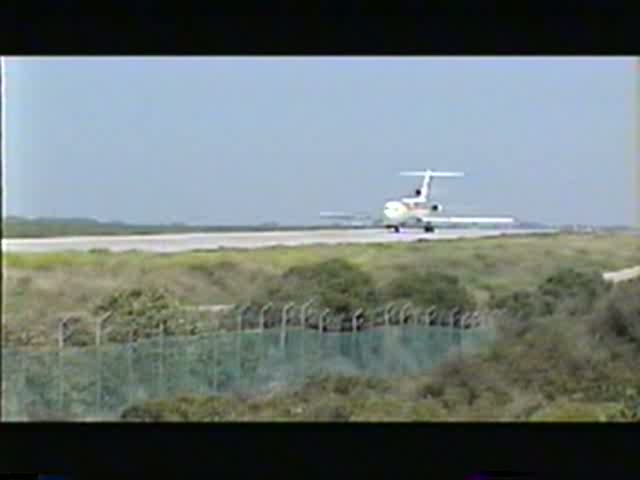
(436, 207)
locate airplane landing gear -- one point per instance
(395, 228)
(429, 228)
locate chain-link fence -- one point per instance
(98, 382)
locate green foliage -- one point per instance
(135, 302)
(217, 273)
(618, 316)
(561, 368)
(521, 303)
(579, 289)
(575, 290)
(343, 385)
(20, 227)
(69, 281)
(429, 288)
(336, 284)
(567, 411)
(183, 408)
(138, 310)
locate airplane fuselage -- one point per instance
(421, 209)
(396, 212)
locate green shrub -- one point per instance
(521, 303)
(343, 385)
(576, 291)
(143, 310)
(336, 284)
(618, 316)
(134, 302)
(564, 410)
(575, 288)
(218, 272)
(429, 288)
(330, 412)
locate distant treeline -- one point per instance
(19, 227)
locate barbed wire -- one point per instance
(267, 344)
(262, 317)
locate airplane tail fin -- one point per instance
(428, 175)
(433, 174)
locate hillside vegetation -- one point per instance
(562, 364)
(20, 227)
(141, 288)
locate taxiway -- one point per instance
(241, 240)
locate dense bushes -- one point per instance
(429, 288)
(563, 367)
(335, 284)
(344, 288)
(138, 310)
(577, 291)
(135, 302)
(619, 315)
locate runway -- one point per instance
(242, 240)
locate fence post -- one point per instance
(283, 325)
(215, 361)
(474, 319)
(403, 313)
(463, 317)
(263, 310)
(262, 353)
(321, 320)
(303, 312)
(62, 336)
(387, 313)
(238, 342)
(354, 320)
(438, 319)
(99, 323)
(161, 382)
(130, 365)
(427, 315)
(434, 317)
(303, 324)
(241, 313)
(470, 319)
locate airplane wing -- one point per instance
(463, 220)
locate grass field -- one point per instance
(559, 367)
(38, 288)
(567, 364)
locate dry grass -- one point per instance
(558, 368)
(38, 287)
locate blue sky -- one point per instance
(243, 140)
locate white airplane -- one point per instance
(421, 208)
